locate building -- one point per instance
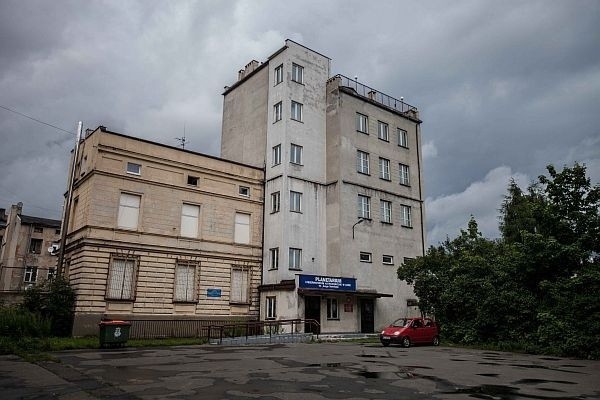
(343, 189)
(157, 232)
(27, 252)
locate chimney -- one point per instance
(248, 69)
(372, 94)
(18, 208)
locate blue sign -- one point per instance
(213, 292)
(327, 283)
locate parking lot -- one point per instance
(300, 371)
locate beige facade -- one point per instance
(27, 255)
(324, 143)
(159, 232)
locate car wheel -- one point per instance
(385, 343)
(406, 341)
(436, 340)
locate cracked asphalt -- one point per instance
(299, 371)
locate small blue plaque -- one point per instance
(213, 292)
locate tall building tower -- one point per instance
(343, 195)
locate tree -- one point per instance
(53, 299)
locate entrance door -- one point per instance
(312, 310)
(367, 316)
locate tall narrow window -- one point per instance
(384, 168)
(129, 209)
(297, 73)
(406, 217)
(274, 258)
(295, 258)
(386, 211)
(189, 220)
(404, 175)
(276, 155)
(332, 308)
(277, 110)
(296, 154)
(275, 202)
(271, 307)
(402, 138)
(383, 131)
(239, 285)
(242, 228)
(51, 273)
(295, 201)
(121, 279)
(35, 246)
(278, 74)
(362, 123)
(296, 111)
(364, 207)
(362, 162)
(185, 282)
(31, 274)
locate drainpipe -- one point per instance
(417, 130)
(67, 208)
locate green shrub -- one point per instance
(17, 323)
(54, 300)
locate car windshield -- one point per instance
(401, 322)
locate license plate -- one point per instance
(385, 337)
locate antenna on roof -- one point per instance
(182, 140)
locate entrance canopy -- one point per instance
(357, 293)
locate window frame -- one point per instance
(275, 202)
(179, 264)
(274, 258)
(237, 224)
(139, 168)
(133, 280)
(296, 111)
(271, 307)
(51, 273)
(404, 171)
(364, 206)
(277, 112)
(297, 252)
(195, 180)
(402, 138)
(278, 74)
(333, 312)
(124, 208)
(297, 73)
(406, 215)
(385, 131)
(362, 119)
(390, 262)
(365, 257)
(35, 246)
(384, 214)
(363, 163)
(186, 217)
(276, 155)
(383, 164)
(293, 196)
(296, 149)
(31, 274)
(245, 295)
(244, 191)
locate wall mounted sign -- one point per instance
(327, 283)
(213, 292)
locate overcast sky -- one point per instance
(504, 87)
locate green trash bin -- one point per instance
(114, 333)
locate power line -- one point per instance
(37, 120)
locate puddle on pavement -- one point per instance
(532, 366)
(456, 359)
(373, 356)
(534, 381)
(330, 365)
(550, 358)
(385, 375)
(488, 392)
(487, 363)
(488, 375)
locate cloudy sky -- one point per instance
(504, 88)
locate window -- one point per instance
(388, 260)
(274, 256)
(296, 111)
(386, 211)
(271, 307)
(295, 201)
(277, 110)
(189, 220)
(384, 169)
(121, 279)
(239, 285)
(404, 175)
(383, 131)
(402, 138)
(185, 282)
(332, 309)
(242, 228)
(296, 154)
(275, 202)
(192, 180)
(57, 231)
(295, 258)
(135, 169)
(129, 210)
(362, 162)
(38, 229)
(35, 246)
(364, 207)
(365, 257)
(406, 218)
(51, 273)
(278, 74)
(244, 191)
(362, 123)
(277, 155)
(297, 73)
(31, 274)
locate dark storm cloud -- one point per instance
(504, 88)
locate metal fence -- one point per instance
(375, 95)
(261, 328)
(177, 328)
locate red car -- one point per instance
(406, 331)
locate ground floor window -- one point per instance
(332, 308)
(239, 285)
(121, 279)
(271, 307)
(185, 282)
(31, 274)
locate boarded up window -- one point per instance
(129, 210)
(185, 282)
(189, 220)
(121, 279)
(242, 228)
(239, 285)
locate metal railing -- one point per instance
(375, 95)
(262, 328)
(176, 328)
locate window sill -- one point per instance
(384, 140)
(238, 303)
(274, 165)
(299, 83)
(297, 212)
(368, 219)
(134, 173)
(404, 147)
(333, 319)
(364, 133)
(388, 264)
(274, 122)
(386, 179)
(272, 269)
(296, 164)
(366, 262)
(407, 226)
(120, 300)
(404, 184)
(274, 212)
(295, 269)
(270, 318)
(297, 120)
(387, 223)
(185, 302)
(364, 173)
